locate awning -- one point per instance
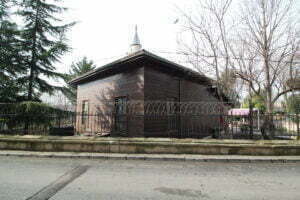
(240, 111)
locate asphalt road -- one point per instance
(74, 179)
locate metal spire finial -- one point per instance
(136, 44)
(136, 39)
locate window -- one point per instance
(120, 114)
(120, 105)
(85, 112)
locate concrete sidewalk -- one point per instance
(161, 157)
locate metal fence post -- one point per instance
(298, 131)
(59, 120)
(251, 118)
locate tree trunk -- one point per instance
(33, 59)
(268, 120)
(30, 85)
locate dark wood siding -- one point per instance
(160, 86)
(129, 84)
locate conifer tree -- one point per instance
(11, 66)
(44, 43)
(3, 9)
(79, 68)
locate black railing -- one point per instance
(153, 125)
(153, 119)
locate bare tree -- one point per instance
(271, 31)
(259, 43)
(207, 48)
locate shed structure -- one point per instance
(143, 95)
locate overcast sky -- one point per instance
(105, 28)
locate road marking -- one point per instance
(51, 189)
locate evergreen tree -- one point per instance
(11, 66)
(258, 101)
(81, 67)
(293, 104)
(44, 43)
(3, 9)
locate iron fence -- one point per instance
(146, 125)
(21, 124)
(154, 119)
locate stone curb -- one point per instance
(156, 157)
(150, 146)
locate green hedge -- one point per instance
(31, 113)
(29, 108)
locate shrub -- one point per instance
(245, 128)
(216, 132)
(23, 115)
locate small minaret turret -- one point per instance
(136, 44)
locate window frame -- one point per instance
(85, 112)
